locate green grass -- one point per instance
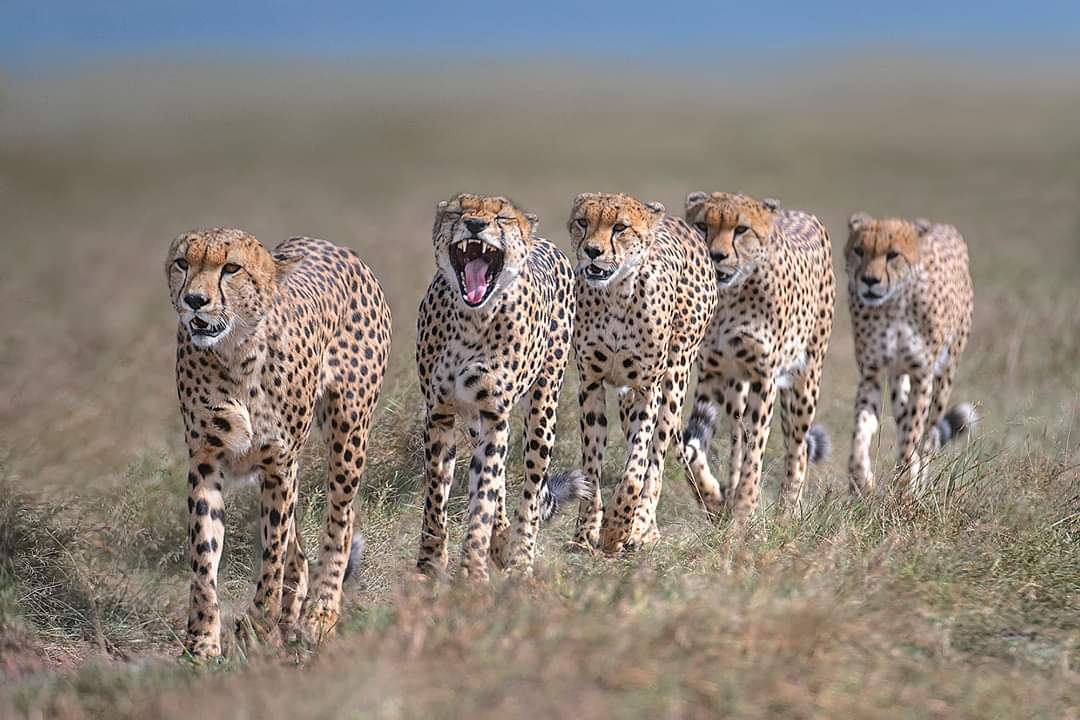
(963, 605)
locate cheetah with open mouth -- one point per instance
(494, 329)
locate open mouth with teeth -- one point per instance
(200, 328)
(595, 272)
(476, 265)
(726, 275)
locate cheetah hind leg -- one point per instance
(714, 494)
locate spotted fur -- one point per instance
(267, 345)
(646, 295)
(489, 335)
(910, 297)
(766, 342)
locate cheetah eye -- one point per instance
(892, 254)
(857, 250)
(703, 228)
(581, 223)
(740, 229)
(182, 264)
(618, 227)
(229, 268)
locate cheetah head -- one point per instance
(736, 228)
(882, 256)
(481, 244)
(611, 234)
(221, 282)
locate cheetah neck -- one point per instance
(244, 355)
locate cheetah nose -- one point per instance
(195, 300)
(870, 280)
(593, 252)
(718, 255)
(475, 225)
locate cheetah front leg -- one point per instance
(867, 414)
(594, 437)
(206, 530)
(669, 415)
(798, 407)
(539, 441)
(440, 452)
(276, 520)
(295, 587)
(759, 407)
(487, 476)
(909, 429)
(618, 520)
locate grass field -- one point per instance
(966, 606)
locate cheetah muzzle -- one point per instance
(207, 331)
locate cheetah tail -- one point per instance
(818, 443)
(955, 422)
(356, 551)
(561, 488)
(699, 429)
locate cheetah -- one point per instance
(267, 344)
(773, 269)
(645, 295)
(910, 297)
(493, 329)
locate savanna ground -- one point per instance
(967, 605)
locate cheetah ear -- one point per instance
(694, 198)
(283, 266)
(583, 197)
(534, 222)
(922, 226)
(858, 221)
(441, 207)
(657, 208)
(771, 204)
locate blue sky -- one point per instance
(62, 31)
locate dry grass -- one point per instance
(965, 606)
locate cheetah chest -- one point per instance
(899, 345)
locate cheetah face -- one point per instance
(221, 282)
(882, 256)
(481, 245)
(611, 234)
(736, 229)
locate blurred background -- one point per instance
(124, 123)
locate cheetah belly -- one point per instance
(728, 342)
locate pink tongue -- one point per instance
(475, 280)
